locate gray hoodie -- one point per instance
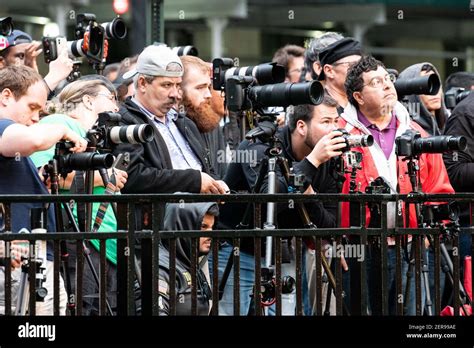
(432, 125)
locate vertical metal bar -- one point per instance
(398, 275)
(131, 259)
(363, 264)
(258, 257)
(338, 290)
(299, 276)
(215, 276)
(155, 259)
(56, 268)
(319, 276)
(31, 280)
(8, 267)
(103, 279)
(418, 259)
(278, 253)
(194, 266)
(437, 267)
(384, 258)
(407, 224)
(146, 278)
(79, 275)
(456, 273)
(122, 299)
(172, 268)
(236, 252)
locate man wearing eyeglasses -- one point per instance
(335, 61)
(374, 110)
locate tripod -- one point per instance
(37, 260)
(266, 133)
(53, 173)
(413, 171)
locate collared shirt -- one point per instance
(385, 138)
(181, 154)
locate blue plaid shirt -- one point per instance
(181, 154)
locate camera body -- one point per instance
(52, 47)
(268, 286)
(454, 95)
(411, 144)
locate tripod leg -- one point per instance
(23, 293)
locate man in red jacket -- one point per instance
(374, 110)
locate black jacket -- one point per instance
(242, 176)
(179, 217)
(460, 165)
(150, 169)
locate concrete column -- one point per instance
(217, 26)
(60, 15)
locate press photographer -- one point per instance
(77, 108)
(22, 97)
(374, 110)
(307, 143)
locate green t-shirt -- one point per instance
(109, 223)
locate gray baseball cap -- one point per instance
(157, 61)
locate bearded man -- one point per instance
(206, 108)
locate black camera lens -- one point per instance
(6, 26)
(131, 134)
(285, 94)
(87, 161)
(421, 85)
(115, 29)
(440, 144)
(263, 73)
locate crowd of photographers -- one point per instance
(331, 120)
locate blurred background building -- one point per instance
(400, 32)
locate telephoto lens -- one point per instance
(116, 29)
(440, 144)
(263, 74)
(351, 140)
(185, 51)
(420, 85)
(138, 134)
(6, 26)
(86, 161)
(285, 94)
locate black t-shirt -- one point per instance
(18, 175)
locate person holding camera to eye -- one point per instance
(77, 108)
(308, 142)
(23, 95)
(374, 110)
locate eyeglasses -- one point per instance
(111, 97)
(378, 81)
(348, 64)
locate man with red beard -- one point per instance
(205, 109)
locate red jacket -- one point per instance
(433, 174)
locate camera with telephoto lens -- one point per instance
(6, 26)
(241, 95)
(68, 162)
(351, 140)
(223, 69)
(411, 144)
(428, 85)
(180, 50)
(454, 95)
(107, 132)
(93, 47)
(268, 286)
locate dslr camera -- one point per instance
(351, 141)
(106, 132)
(454, 95)
(90, 39)
(411, 144)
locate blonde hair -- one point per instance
(72, 94)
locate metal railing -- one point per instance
(150, 237)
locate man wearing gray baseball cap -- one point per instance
(175, 160)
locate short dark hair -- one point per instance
(18, 79)
(284, 54)
(461, 79)
(305, 112)
(354, 81)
